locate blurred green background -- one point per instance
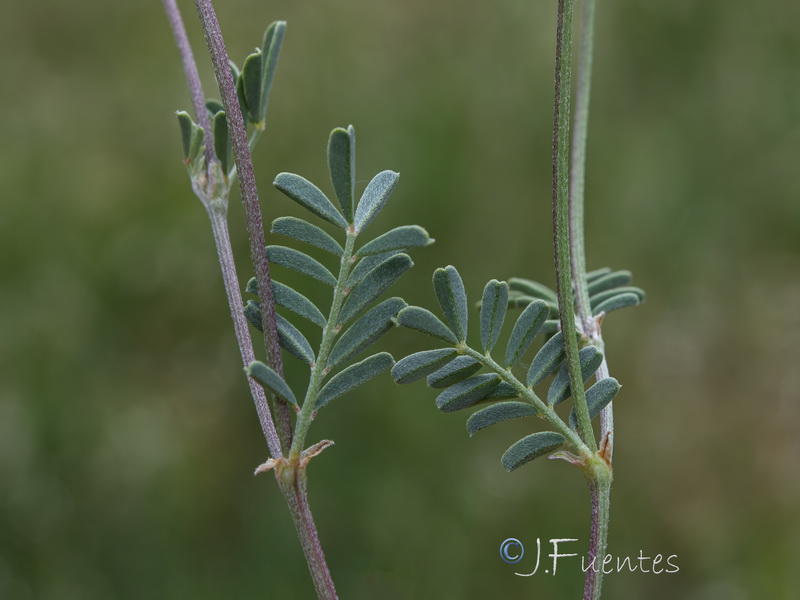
(127, 437)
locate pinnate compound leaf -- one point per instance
(270, 381)
(525, 330)
(303, 231)
(498, 413)
(531, 447)
(222, 141)
(297, 303)
(493, 312)
(251, 84)
(597, 398)
(423, 320)
(456, 370)
(547, 360)
(374, 197)
(609, 281)
(532, 288)
(399, 238)
(302, 263)
(366, 264)
(353, 376)
(366, 330)
(342, 167)
(293, 341)
(617, 302)
(452, 298)
(418, 365)
(559, 391)
(467, 393)
(374, 284)
(270, 51)
(608, 294)
(309, 196)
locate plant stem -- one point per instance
(601, 477)
(578, 166)
(600, 491)
(192, 75)
(583, 308)
(294, 485)
(219, 225)
(217, 206)
(561, 237)
(545, 411)
(319, 370)
(252, 210)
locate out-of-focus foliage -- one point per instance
(127, 439)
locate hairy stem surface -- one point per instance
(252, 209)
(294, 485)
(546, 412)
(561, 228)
(600, 478)
(290, 474)
(190, 70)
(219, 225)
(600, 492)
(578, 165)
(319, 369)
(577, 179)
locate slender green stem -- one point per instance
(252, 209)
(600, 492)
(590, 326)
(545, 411)
(319, 370)
(578, 165)
(561, 237)
(601, 476)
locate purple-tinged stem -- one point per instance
(600, 492)
(294, 485)
(219, 225)
(252, 209)
(217, 209)
(192, 75)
